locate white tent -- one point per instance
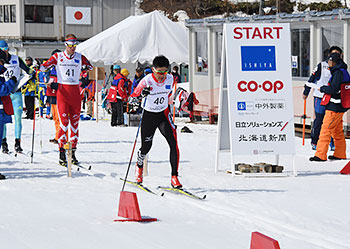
(138, 38)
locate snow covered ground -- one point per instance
(41, 208)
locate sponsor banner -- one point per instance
(259, 85)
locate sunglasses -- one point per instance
(160, 72)
(71, 45)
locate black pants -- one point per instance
(29, 102)
(163, 121)
(117, 113)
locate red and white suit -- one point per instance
(68, 94)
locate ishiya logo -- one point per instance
(258, 58)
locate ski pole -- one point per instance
(32, 154)
(304, 118)
(133, 148)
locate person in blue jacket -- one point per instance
(14, 65)
(6, 87)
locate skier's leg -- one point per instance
(149, 125)
(168, 130)
(62, 111)
(17, 103)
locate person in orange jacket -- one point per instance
(332, 125)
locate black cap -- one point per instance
(29, 59)
(335, 57)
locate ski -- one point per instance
(82, 167)
(181, 191)
(78, 166)
(140, 186)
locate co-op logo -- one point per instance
(253, 86)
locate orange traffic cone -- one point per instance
(261, 241)
(346, 169)
(129, 208)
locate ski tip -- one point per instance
(205, 196)
(162, 194)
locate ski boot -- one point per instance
(74, 159)
(175, 183)
(138, 174)
(139, 167)
(62, 159)
(18, 148)
(2, 177)
(5, 147)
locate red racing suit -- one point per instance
(68, 70)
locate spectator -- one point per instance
(333, 120)
(122, 95)
(42, 80)
(148, 70)
(138, 77)
(30, 89)
(68, 67)
(14, 65)
(320, 76)
(112, 95)
(176, 75)
(5, 89)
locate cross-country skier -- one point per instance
(14, 65)
(6, 109)
(68, 67)
(158, 89)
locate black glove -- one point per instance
(54, 85)
(146, 91)
(133, 101)
(84, 67)
(14, 79)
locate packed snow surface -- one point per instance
(41, 208)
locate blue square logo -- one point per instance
(258, 58)
(241, 106)
(76, 60)
(167, 86)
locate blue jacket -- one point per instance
(136, 82)
(334, 86)
(5, 89)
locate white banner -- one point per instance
(259, 86)
(78, 15)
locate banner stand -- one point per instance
(244, 127)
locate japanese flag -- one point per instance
(78, 15)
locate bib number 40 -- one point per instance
(158, 101)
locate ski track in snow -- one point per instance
(236, 204)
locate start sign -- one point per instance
(256, 102)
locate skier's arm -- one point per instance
(315, 76)
(85, 63)
(138, 90)
(49, 63)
